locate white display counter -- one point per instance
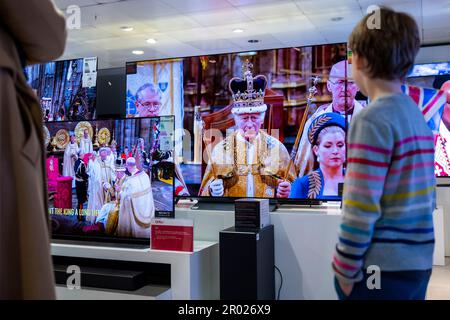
(443, 200)
(305, 239)
(193, 275)
(439, 236)
(304, 244)
(145, 293)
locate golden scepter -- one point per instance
(208, 151)
(312, 92)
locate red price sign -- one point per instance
(172, 234)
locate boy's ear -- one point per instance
(359, 62)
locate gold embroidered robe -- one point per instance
(229, 162)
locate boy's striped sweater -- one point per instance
(389, 191)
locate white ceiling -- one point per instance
(199, 27)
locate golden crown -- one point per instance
(248, 92)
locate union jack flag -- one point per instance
(430, 101)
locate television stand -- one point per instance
(193, 275)
(103, 244)
(307, 205)
(228, 205)
(211, 205)
(222, 205)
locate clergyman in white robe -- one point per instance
(136, 204)
(112, 157)
(94, 196)
(101, 180)
(86, 145)
(70, 156)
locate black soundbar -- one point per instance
(103, 278)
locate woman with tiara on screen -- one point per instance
(327, 137)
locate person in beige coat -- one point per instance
(31, 31)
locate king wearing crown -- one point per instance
(249, 162)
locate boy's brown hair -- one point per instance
(390, 49)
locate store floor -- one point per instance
(439, 286)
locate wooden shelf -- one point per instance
(288, 85)
(191, 88)
(192, 109)
(191, 92)
(294, 103)
(299, 103)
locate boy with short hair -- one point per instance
(389, 193)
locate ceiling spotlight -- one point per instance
(253, 41)
(238, 30)
(151, 41)
(336, 19)
(126, 28)
(246, 54)
(138, 52)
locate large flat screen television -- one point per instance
(108, 178)
(238, 116)
(67, 89)
(425, 81)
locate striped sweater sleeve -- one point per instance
(370, 146)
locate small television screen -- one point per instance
(243, 125)
(430, 69)
(67, 89)
(108, 178)
(428, 84)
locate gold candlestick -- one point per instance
(53, 143)
(96, 144)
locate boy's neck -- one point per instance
(378, 88)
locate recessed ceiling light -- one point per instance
(336, 19)
(253, 41)
(138, 52)
(151, 41)
(249, 53)
(126, 28)
(238, 30)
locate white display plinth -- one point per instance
(439, 237)
(193, 275)
(145, 293)
(304, 247)
(443, 201)
(305, 239)
(304, 244)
